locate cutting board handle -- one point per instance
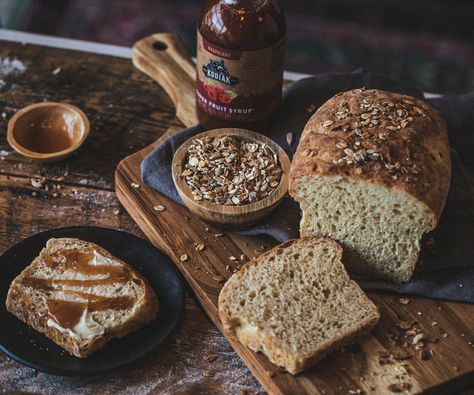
(163, 57)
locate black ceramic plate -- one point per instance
(33, 349)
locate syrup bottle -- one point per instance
(240, 54)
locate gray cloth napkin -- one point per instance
(445, 272)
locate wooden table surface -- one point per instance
(127, 112)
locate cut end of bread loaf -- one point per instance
(296, 304)
(380, 228)
(372, 171)
(98, 305)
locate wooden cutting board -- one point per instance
(385, 361)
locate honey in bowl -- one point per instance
(47, 131)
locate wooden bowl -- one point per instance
(229, 215)
(47, 132)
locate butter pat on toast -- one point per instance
(296, 303)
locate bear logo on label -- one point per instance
(217, 70)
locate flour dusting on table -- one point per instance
(11, 66)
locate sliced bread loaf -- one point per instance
(296, 303)
(81, 296)
(372, 171)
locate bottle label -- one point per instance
(239, 86)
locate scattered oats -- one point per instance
(231, 170)
(159, 208)
(56, 71)
(200, 247)
(349, 152)
(135, 185)
(404, 301)
(219, 234)
(419, 313)
(419, 337)
(184, 258)
(445, 335)
(208, 373)
(193, 161)
(38, 182)
(218, 278)
(327, 123)
(434, 323)
(210, 358)
(243, 257)
(358, 170)
(406, 324)
(289, 138)
(186, 173)
(312, 108)
(116, 211)
(232, 258)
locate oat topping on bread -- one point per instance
(372, 171)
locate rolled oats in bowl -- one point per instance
(228, 170)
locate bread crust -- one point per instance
(420, 146)
(19, 304)
(267, 345)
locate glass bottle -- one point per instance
(240, 54)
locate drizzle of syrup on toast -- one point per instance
(67, 313)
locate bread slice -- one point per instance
(296, 303)
(372, 171)
(80, 296)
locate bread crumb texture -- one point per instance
(296, 303)
(372, 171)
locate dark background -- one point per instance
(426, 42)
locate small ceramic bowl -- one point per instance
(47, 132)
(231, 216)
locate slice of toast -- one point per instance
(296, 303)
(81, 296)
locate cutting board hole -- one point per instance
(159, 45)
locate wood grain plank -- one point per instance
(176, 230)
(87, 197)
(125, 112)
(372, 368)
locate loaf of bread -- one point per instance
(80, 296)
(296, 304)
(372, 171)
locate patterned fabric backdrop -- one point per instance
(426, 42)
